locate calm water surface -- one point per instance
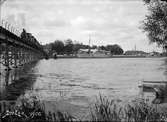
(76, 82)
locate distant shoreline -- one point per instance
(115, 56)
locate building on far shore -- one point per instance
(135, 53)
(93, 53)
(154, 54)
(142, 53)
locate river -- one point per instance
(72, 84)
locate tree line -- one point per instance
(71, 47)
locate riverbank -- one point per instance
(113, 56)
(104, 109)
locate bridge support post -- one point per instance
(6, 57)
(11, 55)
(0, 57)
(20, 56)
(15, 57)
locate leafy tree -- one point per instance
(58, 46)
(76, 47)
(94, 47)
(148, 1)
(102, 47)
(115, 49)
(155, 23)
(69, 46)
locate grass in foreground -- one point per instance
(140, 111)
(32, 110)
(105, 110)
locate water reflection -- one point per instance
(14, 83)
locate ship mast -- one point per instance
(89, 44)
(135, 47)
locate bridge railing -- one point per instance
(6, 25)
(16, 31)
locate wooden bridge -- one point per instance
(18, 49)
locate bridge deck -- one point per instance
(15, 50)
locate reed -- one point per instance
(106, 110)
(139, 111)
(33, 110)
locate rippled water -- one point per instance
(87, 77)
(74, 83)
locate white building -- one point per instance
(93, 53)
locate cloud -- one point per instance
(56, 23)
(108, 21)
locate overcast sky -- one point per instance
(107, 21)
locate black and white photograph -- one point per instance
(83, 60)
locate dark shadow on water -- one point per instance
(14, 83)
